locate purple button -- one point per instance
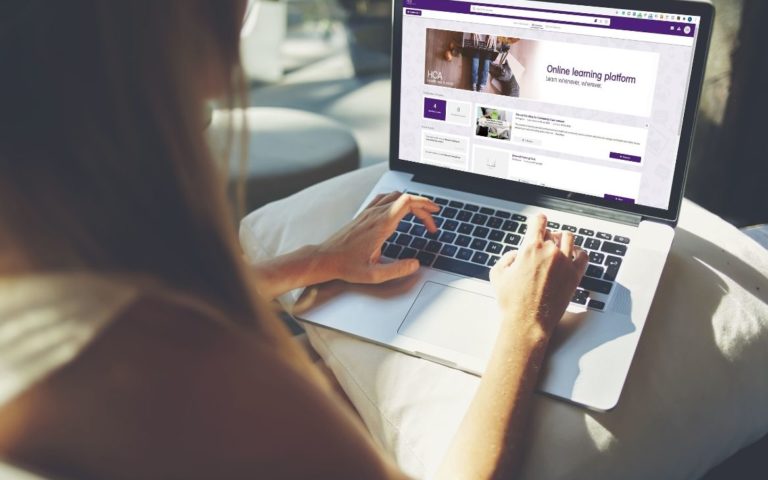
(434, 108)
(624, 156)
(616, 198)
(410, 11)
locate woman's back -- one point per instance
(46, 320)
(108, 383)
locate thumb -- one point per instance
(384, 272)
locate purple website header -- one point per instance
(679, 29)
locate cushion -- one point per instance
(696, 393)
(288, 150)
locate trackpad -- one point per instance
(452, 318)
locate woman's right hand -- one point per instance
(535, 284)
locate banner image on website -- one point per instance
(477, 62)
(583, 76)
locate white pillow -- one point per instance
(697, 391)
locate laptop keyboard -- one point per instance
(472, 238)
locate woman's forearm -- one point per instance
(300, 268)
(489, 442)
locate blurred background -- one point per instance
(331, 57)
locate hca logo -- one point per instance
(435, 75)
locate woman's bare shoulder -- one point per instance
(169, 392)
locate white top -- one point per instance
(47, 320)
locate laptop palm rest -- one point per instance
(452, 318)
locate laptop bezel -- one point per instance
(531, 194)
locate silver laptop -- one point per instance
(502, 110)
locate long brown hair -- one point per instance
(103, 162)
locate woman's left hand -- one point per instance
(353, 254)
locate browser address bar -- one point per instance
(558, 17)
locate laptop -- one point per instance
(583, 111)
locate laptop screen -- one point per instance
(588, 100)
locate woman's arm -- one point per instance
(534, 287)
(353, 254)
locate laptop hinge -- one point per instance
(540, 200)
(601, 213)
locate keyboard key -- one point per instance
(508, 248)
(441, 201)
(463, 241)
(410, 218)
(604, 236)
(449, 212)
(479, 219)
(480, 257)
(432, 235)
(596, 258)
(462, 268)
(523, 228)
(419, 243)
(513, 239)
(480, 232)
(392, 237)
(464, 254)
(510, 226)
(592, 243)
(403, 227)
(418, 230)
(594, 271)
(408, 253)
(451, 225)
(464, 216)
(438, 211)
(568, 228)
(595, 285)
(623, 240)
(455, 204)
(611, 273)
(404, 240)
(478, 244)
(587, 232)
(613, 262)
(553, 225)
(494, 248)
(471, 208)
(502, 214)
(429, 197)
(580, 297)
(487, 211)
(614, 248)
(449, 250)
(466, 228)
(494, 222)
(612, 265)
(425, 258)
(578, 240)
(496, 236)
(493, 260)
(392, 251)
(438, 221)
(519, 218)
(447, 237)
(596, 304)
(433, 246)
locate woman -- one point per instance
(133, 342)
(482, 49)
